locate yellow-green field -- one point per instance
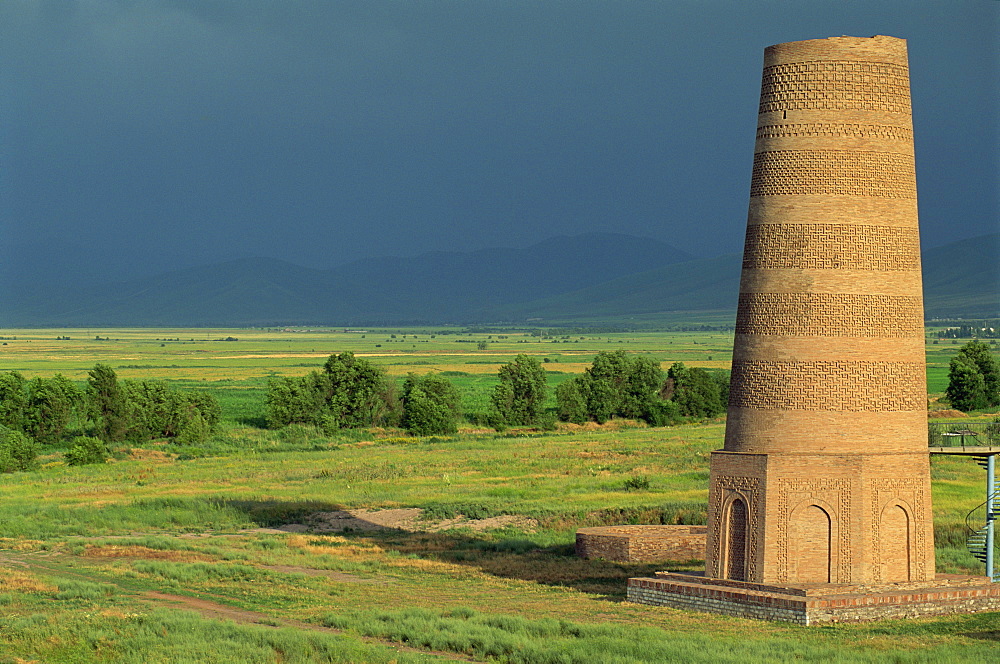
(169, 554)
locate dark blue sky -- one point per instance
(151, 134)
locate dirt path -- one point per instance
(213, 610)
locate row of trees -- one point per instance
(54, 412)
(633, 386)
(973, 378)
(350, 392)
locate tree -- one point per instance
(155, 411)
(967, 392)
(966, 387)
(17, 451)
(358, 393)
(50, 407)
(696, 392)
(517, 400)
(349, 393)
(615, 385)
(430, 405)
(87, 450)
(107, 404)
(13, 400)
(571, 406)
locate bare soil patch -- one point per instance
(408, 519)
(129, 551)
(328, 573)
(946, 413)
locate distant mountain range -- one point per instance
(593, 277)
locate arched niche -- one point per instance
(737, 538)
(811, 537)
(895, 545)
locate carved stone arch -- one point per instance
(813, 534)
(896, 541)
(736, 546)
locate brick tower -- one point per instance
(824, 477)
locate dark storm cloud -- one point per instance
(173, 132)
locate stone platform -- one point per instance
(642, 544)
(810, 604)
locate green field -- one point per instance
(169, 554)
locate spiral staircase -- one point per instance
(981, 521)
(981, 442)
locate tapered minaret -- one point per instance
(824, 476)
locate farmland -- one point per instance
(141, 558)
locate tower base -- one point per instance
(811, 604)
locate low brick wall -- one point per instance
(826, 604)
(642, 544)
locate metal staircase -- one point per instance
(981, 521)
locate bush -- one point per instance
(13, 400)
(430, 405)
(637, 483)
(87, 450)
(518, 399)
(697, 392)
(973, 378)
(18, 452)
(349, 393)
(51, 405)
(615, 385)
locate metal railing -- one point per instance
(963, 434)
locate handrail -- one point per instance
(963, 434)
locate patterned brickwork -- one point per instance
(835, 85)
(748, 490)
(834, 491)
(828, 385)
(831, 246)
(829, 314)
(834, 130)
(833, 173)
(825, 435)
(911, 492)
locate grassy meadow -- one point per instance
(173, 554)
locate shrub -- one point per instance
(106, 403)
(18, 452)
(349, 393)
(87, 450)
(518, 399)
(430, 405)
(50, 407)
(637, 483)
(615, 385)
(973, 378)
(13, 400)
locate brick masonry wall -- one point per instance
(824, 476)
(907, 602)
(642, 544)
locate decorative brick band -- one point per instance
(828, 385)
(831, 246)
(835, 130)
(830, 314)
(833, 173)
(835, 85)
